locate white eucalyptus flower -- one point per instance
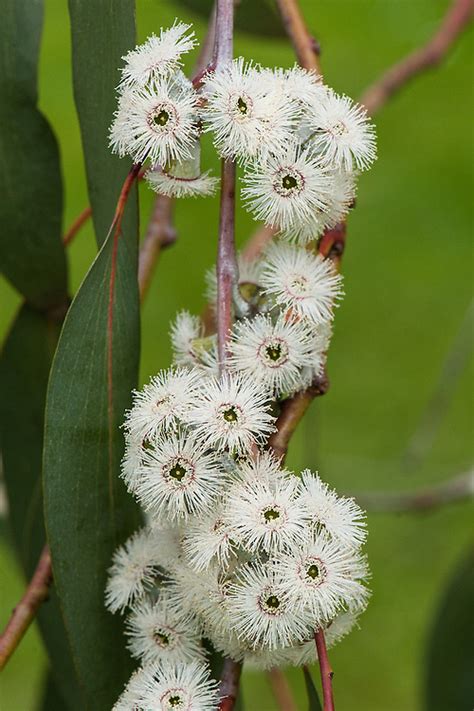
(162, 403)
(231, 412)
(207, 541)
(273, 352)
(262, 467)
(135, 568)
(157, 57)
(156, 633)
(247, 111)
(323, 578)
(261, 613)
(158, 122)
(341, 518)
(132, 695)
(338, 205)
(176, 687)
(286, 190)
(266, 516)
(298, 280)
(165, 183)
(342, 132)
(179, 477)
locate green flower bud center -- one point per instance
(272, 602)
(174, 701)
(289, 182)
(273, 352)
(271, 514)
(161, 118)
(230, 414)
(161, 638)
(313, 571)
(178, 471)
(242, 105)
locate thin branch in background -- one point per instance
(430, 55)
(226, 259)
(292, 411)
(76, 225)
(24, 613)
(453, 367)
(160, 233)
(257, 243)
(305, 46)
(325, 670)
(229, 685)
(281, 690)
(430, 498)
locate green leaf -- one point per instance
(254, 18)
(24, 369)
(450, 679)
(314, 704)
(31, 252)
(102, 32)
(88, 510)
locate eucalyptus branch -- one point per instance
(76, 225)
(325, 670)
(281, 690)
(431, 54)
(25, 611)
(305, 46)
(226, 259)
(160, 233)
(429, 498)
(229, 686)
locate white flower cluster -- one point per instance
(300, 144)
(237, 551)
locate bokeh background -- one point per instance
(408, 279)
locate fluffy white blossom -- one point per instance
(287, 189)
(167, 687)
(341, 518)
(323, 578)
(156, 633)
(298, 280)
(231, 413)
(248, 278)
(207, 540)
(162, 403)
(179, 477)
(274, 352)
(165, 183)
(158, 122)
(158, 56)
(267, 516)
(261, 613)
(135, 567)
(247, 111)
(342, 132)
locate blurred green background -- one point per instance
(408, 271)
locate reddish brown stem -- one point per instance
(229, 684)
(281, 690)
(226, 261)
(24, 613)
(325, 671)
(292, 411)
(76, 225)
(160, 233)
(454, 22)
(306, 49)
